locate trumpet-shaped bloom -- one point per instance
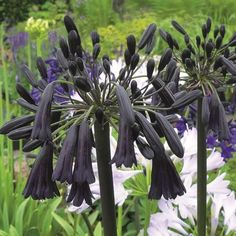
(39, 184)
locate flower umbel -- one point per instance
(101, 97)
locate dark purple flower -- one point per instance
(125, 147)
(211, 141)
(226, 149)
(39, 184)
(181, 126)
(83, 171)
(232, 128)
(165, 179)
(53, 72)
(79, 193)
(42, 122)
(63, 169)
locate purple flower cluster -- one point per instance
(18, 40)
(53, 72)
(52, 37)
(227, 146)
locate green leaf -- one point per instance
(5, 218)
(13, 231)
(92, 217)
(67, 227)
(3, 233)
(98, 229)
(47, 221)
(19, 223)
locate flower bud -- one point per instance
(186, 39)
(80, 64)
(24, 93)
(16, 123)
(29, 76)
(204, 31)
(148, 33)
(22, 102)
(150, 68)
(64, 47)
(74, 41)
(218, 42)
(95, 37)
(61, 59)
(96, 51)
(134, 61)
(72, 68)
(208, 25)
(131, 44)
(169, 40)
(42, 68)
(222, 31)
(106, 65)
(216, 31)
(83, 84)
(209, 49)
(127, 56)
(185, 54)
(198, 41)
(70, 25)
(178, 27)
(165, 59)
(122, 74)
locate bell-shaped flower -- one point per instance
(165, 179)
(80, 192)
(63, 169)
(125, 148)
(39, 184)
(83, 171)
(42, 129)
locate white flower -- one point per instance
(219, 185)
(189, 142)
(229, 207)
(174, 212)
(188, 202)
(160, 221)
(214, 161)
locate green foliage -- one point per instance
(14, 11)
(92, 14)
(223, 11)
(230, 168)
(54, 10)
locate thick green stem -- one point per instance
(147, 202)
(38, 47)
(119, 221)
(87, 222)
(102, 138)
(29, 54)
(201, 173)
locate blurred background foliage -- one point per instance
(31, 28)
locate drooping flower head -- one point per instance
(100, 96)
(209, 65)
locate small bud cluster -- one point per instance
(210, 66)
